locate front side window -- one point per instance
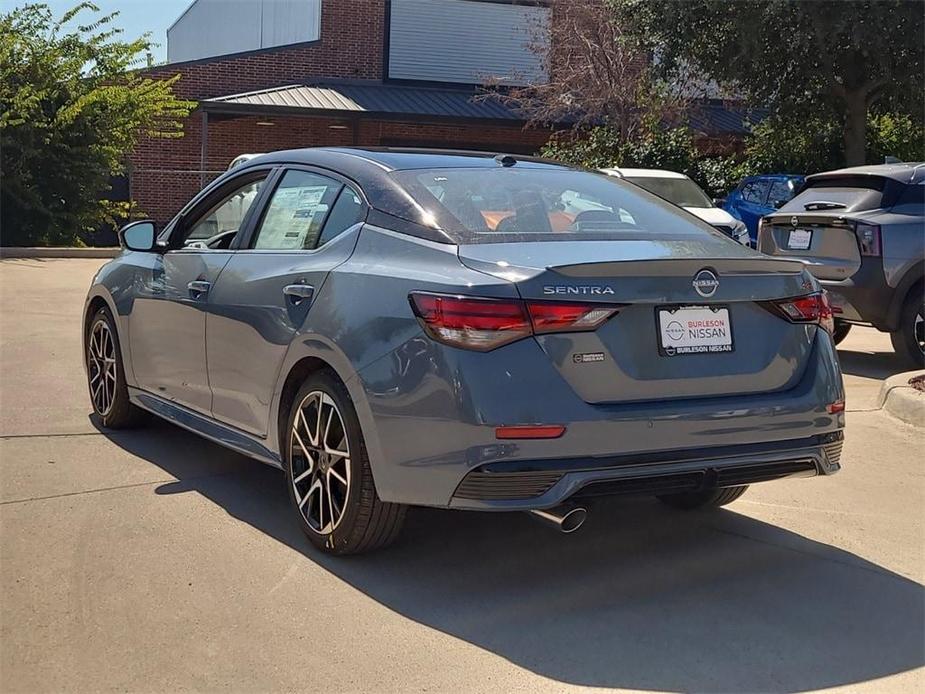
(297, 212)
(226, 216)
(479, 205)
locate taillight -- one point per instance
(461, 321)
(812, 308)
(484, 324)
(551, 317)
(868, 238)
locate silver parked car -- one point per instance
(862, 232)
(468, 331)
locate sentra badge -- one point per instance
(590, 289)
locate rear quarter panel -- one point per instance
(363, 316)
(903, 240)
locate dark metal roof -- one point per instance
(370, 99)
(400, 101)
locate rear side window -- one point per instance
(848, 193)
(347, 211)
(479, 205)
(678, 191)
(781, 193)
(755, 191)
(911, 200)
(297, 212)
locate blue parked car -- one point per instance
(757, 196)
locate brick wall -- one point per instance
(165, 174)
(350, 46)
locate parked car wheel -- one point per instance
(328, 474)
(841, 331)
(909, 340)
(710, 498)
(106, 376)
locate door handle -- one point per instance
(198, 288)
(296, 293)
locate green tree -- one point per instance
(829, 59)
(72, 106)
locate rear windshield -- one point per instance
(476, 205)
(678, 191)
(851, 194)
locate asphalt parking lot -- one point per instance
(151, 560)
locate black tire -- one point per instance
(114, 409)
(908, 341)
(365, 523)
(710, 498)
(841, 331)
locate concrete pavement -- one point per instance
(152, 560)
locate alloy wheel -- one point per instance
(320, 462)
(101, 362)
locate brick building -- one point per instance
(278, 74)
(335, 72)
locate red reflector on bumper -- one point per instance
(530, 432)
(835, 407)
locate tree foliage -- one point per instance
(71, 107)
(829, 59)
(592, 74)
(777, 144)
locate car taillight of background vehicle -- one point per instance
(812, 308)
(868, 238)
(484, 324)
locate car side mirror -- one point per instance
(719, 202)
(138, 236)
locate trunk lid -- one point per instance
(628, 358)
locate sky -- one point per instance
(135, 17)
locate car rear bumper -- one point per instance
(544, 484)
(428, 430)
(865, 297)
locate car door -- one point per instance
(168, 318)
(266, 291)
(753, 204)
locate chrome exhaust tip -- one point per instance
(565, 519)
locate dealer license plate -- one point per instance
(694, 330)
(799, 239)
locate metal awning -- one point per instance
(401, 102)
(378, 100)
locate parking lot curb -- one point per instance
(70, 252)
(902, 400)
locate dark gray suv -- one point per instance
(862, 232)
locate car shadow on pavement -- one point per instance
(642, 597)
(878, 365)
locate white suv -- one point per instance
(679, 190)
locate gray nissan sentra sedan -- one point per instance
(464, 330)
